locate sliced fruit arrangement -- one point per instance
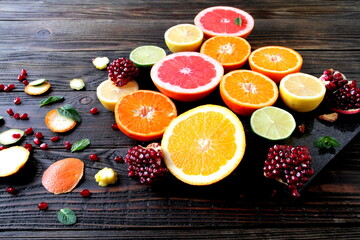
(37, 87)
(204, 144)
(144, 114)
(342, 95)
(232, 52)
(187, 76)
(275, 61)
(224, 20)
(245, 91)
(183, 37)
(147, 56)
(12, 159)
(11, 136)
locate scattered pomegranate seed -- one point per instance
(36, 141)
(43, 146)
(68, 145)
(301, 128)
(94, 110)
(85, 193)
(2, 86)
(23, 72)
(119, 159)
(11, 190)
(16, 135)
(38, 135)
(17, 116)
(25, 82)
(115, 126)
(29, 131)
(94, 157)
(55, 139)
(9, 87)
(43, 206)
(21, 77)
(28, 146)
(17, 100)
(10, 112)
(2, 147)
(24, 116)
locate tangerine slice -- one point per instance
(58, 123)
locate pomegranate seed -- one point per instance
(23, 72)
(28, 146)
(16, 135)
(11, 190)
(43, 206)
(2, 86)
(24, 116)
(38, 135)
(9, 87)
(119, 159)
(94, 110)
(17, 116)
(36, 141)
(10, 112)
(94, 157)
(29, 131)
(55, 139)
(43, 146)
(17, 100)
(21, 77)
(2, 147)
(68, 145)
(115, 126)
(25, 82)
(85, 193)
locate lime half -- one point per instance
(146, 56)
(272, 123)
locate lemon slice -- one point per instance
(146, 56)
(183, 37)
(272, 123)
(302, 92)
(109, 94)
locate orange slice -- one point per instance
(37, 89)
(144, 115)
(58, 123)
(203, 145)
(63, 175)
(232, 52)
(245, 91)
(275, 62)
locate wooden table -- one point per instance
(56, 40)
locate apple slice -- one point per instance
(12, 160)
(11, 136)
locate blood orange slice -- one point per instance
(223, 20)
(187, 76)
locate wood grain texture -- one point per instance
(56, 40)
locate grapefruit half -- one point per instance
(187, 76)
(224, 20)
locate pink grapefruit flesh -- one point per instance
(223, 20)
(187, 76)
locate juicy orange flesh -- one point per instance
(248, 88)
(149, 112)
(275, 59)
(209, 143)
(223, 21)
(305, 87)
(227, 49)
(184, 34)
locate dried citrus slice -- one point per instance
(63, 175)
(57, 122)
(183, 37)
(275, 61)
(144, 115)
(244, 91)
(203, 145)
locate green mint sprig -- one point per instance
(70, 112)
(66, 216)
(81, 144)
(326, 142)
(50, 100)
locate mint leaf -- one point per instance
(81, 144)
(326, 142)
(50, 100)
(238, 21)
(70, 112)
(66, 216)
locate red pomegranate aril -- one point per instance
(11, 190)
(10, 112)
(25, 82)
(9, 87)
(23, 72)
(37, 141)
(2, 147)
(16, 135)
(43, 146)
(94, 110)
(94, 157)
(55, 139)
(68, 145)
(43, 206)
(17, 116)
(28, 146)
(2, 86)
(21, 77)
(29, 131)
(115, 126)
(38, 135)
(24, 116)
(85, 193)
(17, 100)
(119, 159)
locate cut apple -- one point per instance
(12, 160)
(11, 136)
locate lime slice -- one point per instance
(37, 82)
(272, 123)
(146, 56)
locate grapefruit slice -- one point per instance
(187, 76)
(223, 20)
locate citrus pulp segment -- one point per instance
(187, 76)
(146, 56)
(272, 123)
(109, 94)
(244, 91)
(183, 37)
(144, 114)
(224, 20)
(232, 52)
(275, 61)
(302, 92)
(204, 144)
